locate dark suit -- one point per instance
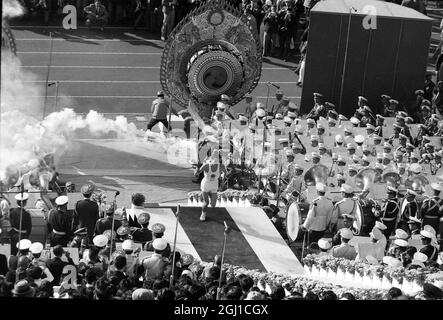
(104, 224)
(86, 215)
(14, 216)
(56, 265)
(142, 235)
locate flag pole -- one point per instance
(227, 230)
(47, 75)
(171, 282)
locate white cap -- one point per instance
(320, 187)
(427, 234)
(430, 229)
(128, 244)
(19, 197)
(380, 225)
(421, 257)
(159, 244)
(61, 200)
(371, 260)
(401, 243)
(338, 138)
(324, 244)
(376, 234)
(436, 186)
(289, 152)
(401, 234)
(346, 233)
(36, 248)
(24, 244)
(100, 240)
(260, 113)
(359, 138)
(415, 168)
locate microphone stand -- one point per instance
(227, 230)
(171, 281)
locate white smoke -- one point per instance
(12, 9)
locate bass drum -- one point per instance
(293, 220)
(365, 218)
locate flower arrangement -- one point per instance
(309, 260)
(351, 267)
(379, 271)
(232, 195)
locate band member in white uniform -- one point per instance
(212, 171)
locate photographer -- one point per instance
(270, 26)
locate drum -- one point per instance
(365, 218)
(293, 220)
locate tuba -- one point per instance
(392, 179)
(366, 177)
(317, 173)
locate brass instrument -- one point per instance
(317, 173)
(392, 179)
(366, 177)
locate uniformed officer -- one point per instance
(429, 250)
(319, 109)
(315, 156)
(288, 171)
(297, 184)
(158, 230)
(60, 223)
(14, 216)
(379, 240)
(105, 223)
(344, 250)
(319, 214)
(346, 206)
(381, 227)
(432, 209)
(143, 235)
(390, 211)
(379, 121)
(86, 212)
(408, 208)
(399, 246)
(154, 266)
(325, 247)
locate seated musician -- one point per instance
(319, 109)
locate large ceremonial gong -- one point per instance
(215, 50)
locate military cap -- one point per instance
(390, 189)
(413, 156)
(324, 244)
(242, 118)
(61, 200)
(128, 244)
(401, 234)
(298, 167)
(421, 257)
(291, 114)
(361, 98)
(430, 229)
(402, 136)
(320, 126)
(396, 126)
(123, 230)
(427, 234)
(380, 225)
(87, 188)
(279, 116)
(159, 244)
(310, 121)
(82, 231)
(346, 233)
(436, 186)
(321, 187)
(426, 102)
(332, 120)
(340, 159)
(158, 228)
(426, 138)
(377, 138)
(403, 114)
(342, 117)
(287, 119)
(409, 146)
(393, 101)
(187, 259)
(425, 107)
(100, 240)
(316, 94)
(352, 168)
(331, 105)
(387, 145)
(340, 176)
(415, 167)
(401, 243)
(350, 146)
(355, 121)
(36, 248)
(286, 99)
(365, 159)
(347, 130)
(338, 138)
(260, 113)
(24, 244)
(289, 152)
(385, 96)
(321, 146)
(21, 197)
(110, 233)
(376, 234)
(409, 120)
(369, 127)
(314, 137)
(359, 138)
(372, 260)
(160, 93)
(365, 147)
(315, 155)
(269, 117)
(225, 97)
